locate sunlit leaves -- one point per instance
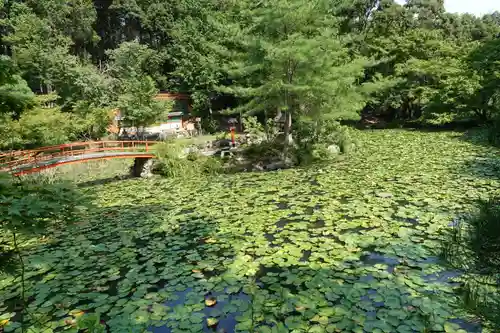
(160, 252)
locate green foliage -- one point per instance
(493, 134)
(474, 247)
(176, 162)
(320, 248)
(29, 206)
(285, 58)
(295, 62)
(209, 125)
(314, 137)
(91, 122)
(91, 323)
(253, 129)
(38, 47)
(132, 86)
(48, 126)
(45, 127)
(15, 95)
(264, 151)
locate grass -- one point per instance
(351, 246)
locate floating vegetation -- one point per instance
(349, 247)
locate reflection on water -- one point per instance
(227, 320)
(374, 258)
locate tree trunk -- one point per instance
(288, 133)
(266, 127)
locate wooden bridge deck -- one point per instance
(29, 161)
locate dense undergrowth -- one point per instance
(348, 246)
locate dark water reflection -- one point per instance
(227, 321)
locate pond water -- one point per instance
(347, 247)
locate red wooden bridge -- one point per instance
(35, 160)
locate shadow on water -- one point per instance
(169, 264)
(112, 259)
(104, 181)
(486, 164)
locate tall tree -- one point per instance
(294, 62)
(134, 89)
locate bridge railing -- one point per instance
(14, 159)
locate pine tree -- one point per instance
(293, 62)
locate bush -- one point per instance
(253, 128)
(176, 163)
(264, 151)
(316, 140)
(91, 122)
(209, 125)
(38, 127)
(45, 127)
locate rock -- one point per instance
(333, 149)
(192, 149)
(275, 166)
(258, 167)
(223, 143)
(142, 167)
(147, 169)
(225, 152)
(279, 165)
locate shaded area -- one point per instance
(104, 181)
(33, 167)
(472, 244)
(153, 251)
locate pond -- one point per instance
(352, 246)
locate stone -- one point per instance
(333, 149)
(258, 167)
(142, 167)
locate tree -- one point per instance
(15, 95)
(134, 89)
(37, 47)
(295, 63)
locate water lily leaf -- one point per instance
(264, 329)
(233, 289)
(196, 318)
(393, 302)
(293, 322)
(316, 329)
(404, 329)
(11, 327)
(244, 325)
(7, 315)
